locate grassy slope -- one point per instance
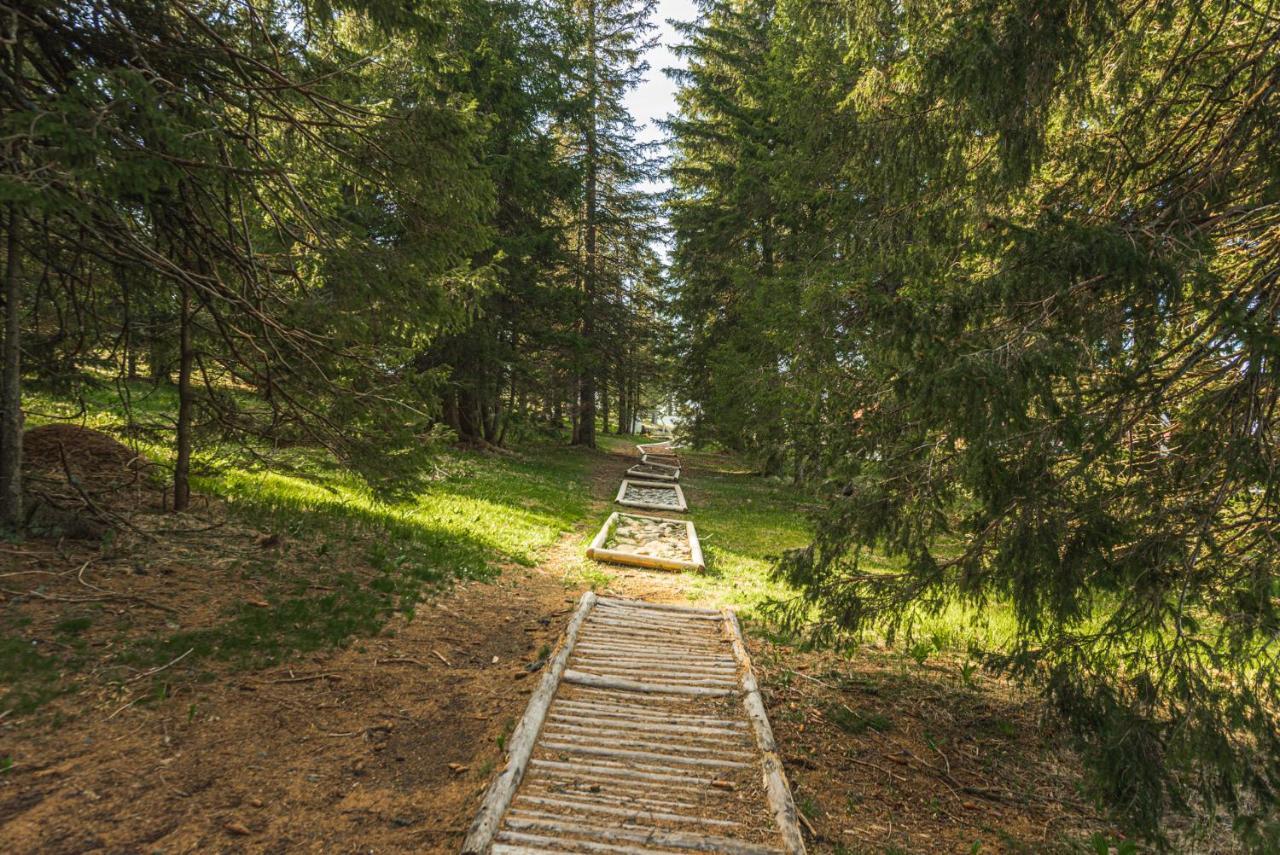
(354, 556)
(462, 510)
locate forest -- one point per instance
(961, 309)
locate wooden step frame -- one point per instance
(668, 473)
(654, 459)
(597, 551)
(680, 507)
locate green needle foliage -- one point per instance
(358, 224)
(1001, 278)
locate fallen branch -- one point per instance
(168, 664)
(401, 659)
(871, 765)
(307, 679)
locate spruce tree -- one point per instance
(1034, 251)
(609, 39)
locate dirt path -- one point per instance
(388, 745)
(384, 746)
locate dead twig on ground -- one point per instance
(168, 664)
(406, 660)
(306, 679)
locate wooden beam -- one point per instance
(680, 505)
(581, 679)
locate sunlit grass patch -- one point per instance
(746, 521)
(363, 549)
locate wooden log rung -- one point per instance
(638, 798)
(619, 727)
(676, 661)
(610, 783)
(697, 629)
(690, 612)
(634, 813)
(664, 646)
(651, 756)
(618, 771)
(559, 734)
(651, 661)
(669, 651)
(609, 710)
(695, 843)
(712, 726)
(573, 846)
(582, 679)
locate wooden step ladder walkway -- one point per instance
(646, 735)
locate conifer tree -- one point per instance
(609, 40)
(1033, 248)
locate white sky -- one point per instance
(655, 97)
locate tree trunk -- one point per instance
(586, 428)
(11, 386)
(604, 401)
(450, 407)
(128, 331)
(186, 404)
(470, 421)
(157, 352)
(575, 412)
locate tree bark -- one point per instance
(11, 385)
(186, 405)
(585, 434)
(604, 401)
(470, 419)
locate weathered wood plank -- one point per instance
(664, 649)
(619, 772)
(579, 678)
(635, 812)
(710, 614)
(592, 724)
(576, 846)
(594, 736)
(657, 721)
(642, 798)
(651, 665)
(653, 756)
(696, 843)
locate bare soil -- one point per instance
(387, 745)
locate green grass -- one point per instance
(462, 514)
(746, 521)
(455, 515)
(33, 678)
